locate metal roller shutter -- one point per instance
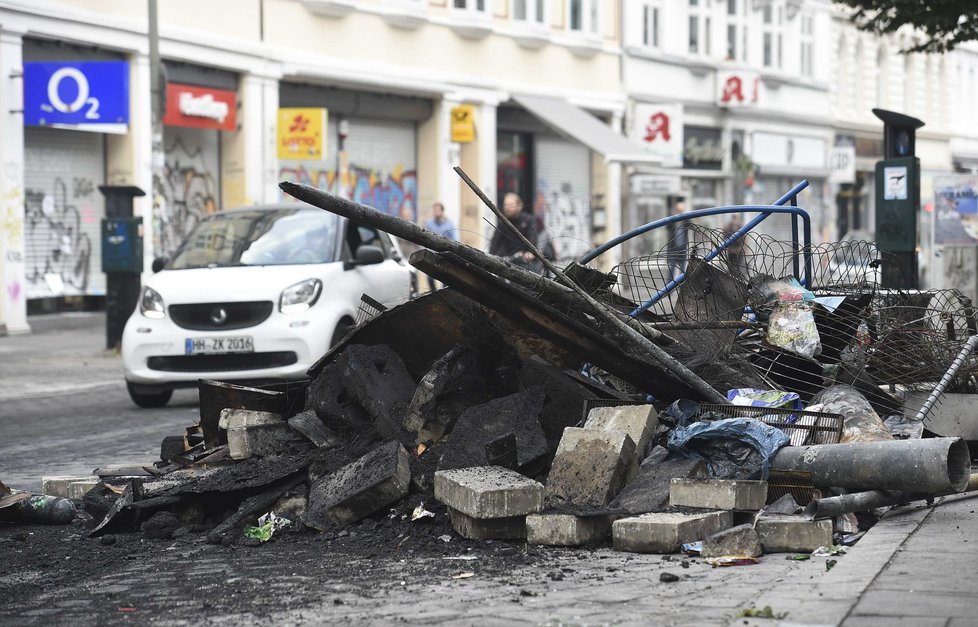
(564, 186)
(63, 212)
(191, 184)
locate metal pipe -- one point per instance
(862, 501)
(856, 502)
(413, 233)
(929, 466)
(966, 350)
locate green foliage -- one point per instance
(943, 23)
(765, 612)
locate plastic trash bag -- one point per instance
(792, 327)
(752, 397)
(734, 448)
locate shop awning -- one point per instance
(580, 125)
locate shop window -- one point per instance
(514, 165)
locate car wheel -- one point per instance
(342, 329)
(149, 401)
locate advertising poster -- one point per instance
(956, 210)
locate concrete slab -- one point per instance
(718, 494)
(665, 532)
(638, 421)
(510, 528)
(590, 466)
(790, 534)
(741, 540)
(58, 485)
(488, 492)
(566, 529)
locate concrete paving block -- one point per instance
(79, 489)
(508, 528)
(591, 466)
(741, 540)
(665, 532)
(789, 534)
(265, 440)
(244, 418)
(718, 494)
(359, 489)
(566, 529)
(64, 485)
(638, 421)
(488, 492)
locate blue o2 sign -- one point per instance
(84, 95)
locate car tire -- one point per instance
(149, 401)
(342, 328)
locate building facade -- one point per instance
(600, 115)
(524, 95)
(733, 95)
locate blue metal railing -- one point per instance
(764, 211)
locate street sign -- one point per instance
(85, 95)
(659, 127)
(842, 165)
(201, 107)
(463, 124)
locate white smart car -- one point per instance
(256, 294)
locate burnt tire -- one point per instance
(148, 401)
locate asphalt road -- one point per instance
(64, 409)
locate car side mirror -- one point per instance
(366, 255)
(158, 264)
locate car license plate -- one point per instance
(219, 345)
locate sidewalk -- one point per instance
(917, 566)
(34, 365)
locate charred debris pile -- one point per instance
(730, 413)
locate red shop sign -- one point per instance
(200, 107)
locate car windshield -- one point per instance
(259, 238)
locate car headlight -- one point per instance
(300, 297)
(151, 304)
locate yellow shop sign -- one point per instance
(463, 124)
(302, 133)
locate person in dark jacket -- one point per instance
(505, 244)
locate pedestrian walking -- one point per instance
(505, 244)
(441, 225)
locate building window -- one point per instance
(807, 42)
(772, 36)
(583, 16)
(650, 25)
(736, 30)
(529, 11)
(475, 6)
(697, 40)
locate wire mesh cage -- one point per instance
(368, 309)
(719, 315)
